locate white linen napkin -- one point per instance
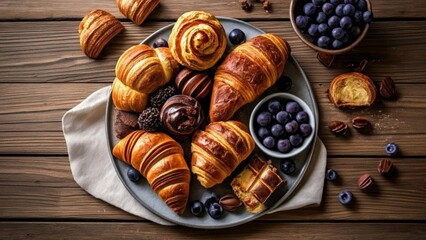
(92, 169)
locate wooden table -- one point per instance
(43, 73)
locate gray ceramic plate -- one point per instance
(141, 190)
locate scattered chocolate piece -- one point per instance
(339, 128)
(361, 123)
(230, 202)
(385, 166)
(267, 6)
(246, 5)
(125, 123)
(365, 182)
(325, 59)
(388, 89)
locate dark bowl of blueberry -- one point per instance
(282, 125)
(331, 27)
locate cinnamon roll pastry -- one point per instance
(96, 29)
(197, 40)
(137, 10)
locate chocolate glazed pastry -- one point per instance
(195, 84)
(181, 115)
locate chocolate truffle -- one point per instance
(192, 83)
(181, 115)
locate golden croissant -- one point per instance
(197, 40)
(137, 10)
(96, 29)
(160, 160)
(246, 73)
(141, 70)
(218, 150)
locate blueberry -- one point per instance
(345, 197)
(328, 8)
(283, 117)
(367, 16)
(263, 132)
(291, 127)
(284, 83)
(305, 129)
(331, 175)
(302, 21)
(284, 145)
(215, 210)
(346, 22)
(355, 31)
(287, 166)
(264, 119)
(349, 1)
(160, 42)
(133, 174)
(236, 36)
(338, 33)
(292, 107)
(309, 9)
(336, 2)
(358, 17)
(321, 17)
(274, 106)
(317, 2)
(323, 41)
(196, 207)
(349, 10)
(391, 148)
(362, 5)
(333, 21)
(214, 198)
(296, 140)
(277, 130)
(345, 39)
(323, 28)
(337, 44)
(339, 10)
(302, 117)
(269, 142)
(313, 30)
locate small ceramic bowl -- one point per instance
(295, 5)
(262, 106)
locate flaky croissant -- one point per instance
(160, 160)
(141, 70)
(246, 73)
(137, 10)
(96, 29)
(197, 40)
(218, 150)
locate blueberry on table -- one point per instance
(391, 148)
(321, 17)
(346, 22)
(269, 142)
(305, 129)
(284, 145)
(323, 41)
(345, 197)
(236, 36)
(331, 175)
(302, 21)
(264, 119)
(302, 117)
(196, 207)
(348, 10)
(291, 127)
(323, 28)
(292, 107)
(313, 30)
(296, 140)
(337, 44)
(367, 16)
(263, 132)
(215, 210)
(277, 130)
(287, 166)
(333, 21)
(274, 106)
(339, 10)
(283, 117)
(133, 174)
(160, 42)
(309, 9)
(338, 33)
(328, 8)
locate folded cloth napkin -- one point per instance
(92, 169)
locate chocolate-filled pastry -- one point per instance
(193, 83)
(125, 123)
(181, 115)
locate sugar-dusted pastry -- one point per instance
(352, 90)
(197, 40)
(96, 29)
(160, 160)
(255, 184)
(218, 150)
(246, 73)
(194, 83)
(137, 10)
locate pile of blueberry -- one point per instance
(332, 24)
(282, 125)
(211, 205)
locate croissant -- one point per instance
(246, 73)
(96, 29)
(137, 10)
(127, 99)
(218, 150)
(256, 183)
(160, 160)
(352, 90)
(197, 40)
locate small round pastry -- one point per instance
(197, 40)
(181, 115)
(192, 83)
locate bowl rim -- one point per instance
(295, 151)
(323, 50)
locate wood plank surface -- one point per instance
(43, 188)
(39, 52)
(170, 9)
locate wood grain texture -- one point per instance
(43, 187)
(170, 9)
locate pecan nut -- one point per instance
(230, 202)
(365, 182)
(388, 89)
(267, 6)
(246, 5)
(325, 59)
(361, 123)
(339, 128)
(385, 166)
